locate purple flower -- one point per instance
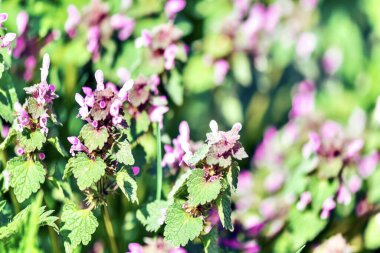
(328, 206)
(20, 151)
(135, 170)
(344, 196)
(124, 25)
(22, 22)
(43, 123)
(6, 40)
(76, 145)
(306, 44)
(303, 100)
(42, 156)
(23, 119)
(83, 111)
(304, 201)
(135, 248)
(353, 148)
(172, 7)
(274, 181)
(354, 184)
(169, 56)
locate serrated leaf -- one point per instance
(8, 97)
(233, 175)
(94, 138)
(153, 216)
(181, 227)
(35, 109)
(81, 224)
(9, 139)
(201, 191)
(122, 153)
(199, 155)
(26, 177)
(20, 220)
(179, 184)
(31, 141)
(58, 146)
(142, 122)
(127, 185)
(210, 241)
(85, 170)
(223, 204)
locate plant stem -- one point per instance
(15, 204)
(159, 160)
(109, 229)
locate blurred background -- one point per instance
(244, 62)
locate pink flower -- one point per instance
(368, 164)
(76, 145)
(172, 7)
(156, 113)
(22, 22)
(20, 151)
(83, 111)
(306, 44)
(72, 21)
(22, 116)
(45, 68)
(303, 100)
(354, 184)
(328, 206)
(169, 55)
(274, 181)
(312, 146)
(3, 18)
(332, 60)
(304, 201)
(41, 156)
(115, 107)
(145, 40)
(135, 248)
(221, 68)
(135, 170)
(99, 77)
(344, 196)
(6, 40)
(124, 25)
(123, 93)
(353, 148)
(43, 123)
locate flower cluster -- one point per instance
(144, 98)
(96, 19)
(38, 107)
(5, 40)
(163, 44)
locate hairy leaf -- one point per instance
(210, 241)
(179, 184)
(153, 215)
(127, 185)
(199, 155)
(233, 175)
(26, 176)
(201, 191)
(122, 153)
(31, 141)
(85, 170)
(181, 227)
(58, 146)
(224, 209)
(80, 224)
(93, 138)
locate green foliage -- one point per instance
(122, 152)
(94, 138)
(372, 233)
(153, 215)
(201, 191)
(199, 155)
(233, 175)
(85, 170)
(224, 209)
(210, 241)
(127, 185)
(181, 227)
(8, 96)
(80, 224)
(31, 141)
(26, 176)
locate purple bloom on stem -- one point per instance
(43, 123)
(303, 100)
(22, 20)
(135, 248)
(42, 156)
(368, 164)
(145, 40)
(123, 24)
(76, 145)
(344, 196)
(22, 116)
(354, 184)
(3, 18)
(169, 55)
(135, 170)
(72, 21)
(20, 151)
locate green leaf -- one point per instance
(181, 227)
(199, 155)
(9, 139)
(241, 68)
(122, 153)
(233, 175)
(21, 219)
(127, 185)
(35, 109)
(372, 233)
(201, 191)
(153, 216)
(179, 185)
(224, 209)
(58, 146)
(373, 187)
(81, 224)
(8, 97)
(85, 170)
(26, 177)
(94, 138)
(210, 241)
(174, 87)
(31, 141)
(142, 122)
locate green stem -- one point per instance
(54, 240)
(159, 167)
(109, 229)
(15, 204)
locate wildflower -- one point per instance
(306, 44)
(172, 7)
(76, 145)
(221, 68)
(328, 206)
(3, 18)
(304, 201)
(42, 156)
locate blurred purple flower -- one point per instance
(172, 7)
(332, 60)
